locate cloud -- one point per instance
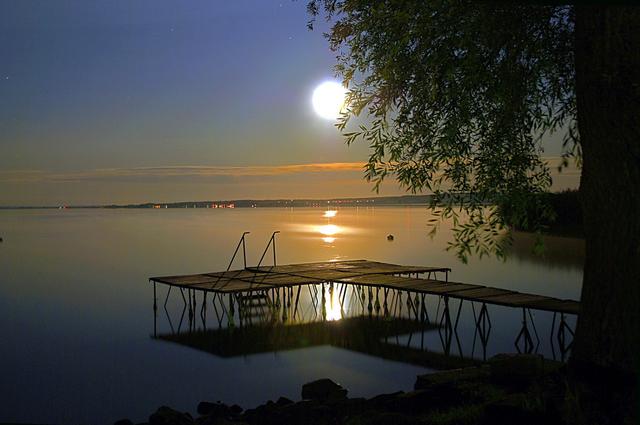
(215, 173)
(179, 171)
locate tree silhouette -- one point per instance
(455, 98)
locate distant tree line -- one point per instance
(557, 213)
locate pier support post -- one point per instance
(295, 308)
(563, 331)
(482, 329)
(203, 310)
(155, 311)
(323, 303)
(232, 312)
(525, 336)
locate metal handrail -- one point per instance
(244, 251)
(272, 240)
(244, 256)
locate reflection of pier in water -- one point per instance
(304, 297)
(371, 336)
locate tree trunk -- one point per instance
(607, 55)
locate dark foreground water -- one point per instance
(76, 318)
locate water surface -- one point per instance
(77, 321)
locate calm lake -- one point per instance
(77, 322)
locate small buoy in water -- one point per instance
(389, 237)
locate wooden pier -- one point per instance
(412, 279)
(260, 294)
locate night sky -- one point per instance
(124, 101)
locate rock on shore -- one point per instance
(477, 395)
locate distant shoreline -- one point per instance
(406, 200)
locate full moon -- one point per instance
(328, 99)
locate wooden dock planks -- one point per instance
(365, 273)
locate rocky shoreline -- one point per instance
(508, 389)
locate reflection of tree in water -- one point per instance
(559, 251)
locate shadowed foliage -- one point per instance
(453, 97)
(456, 100)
